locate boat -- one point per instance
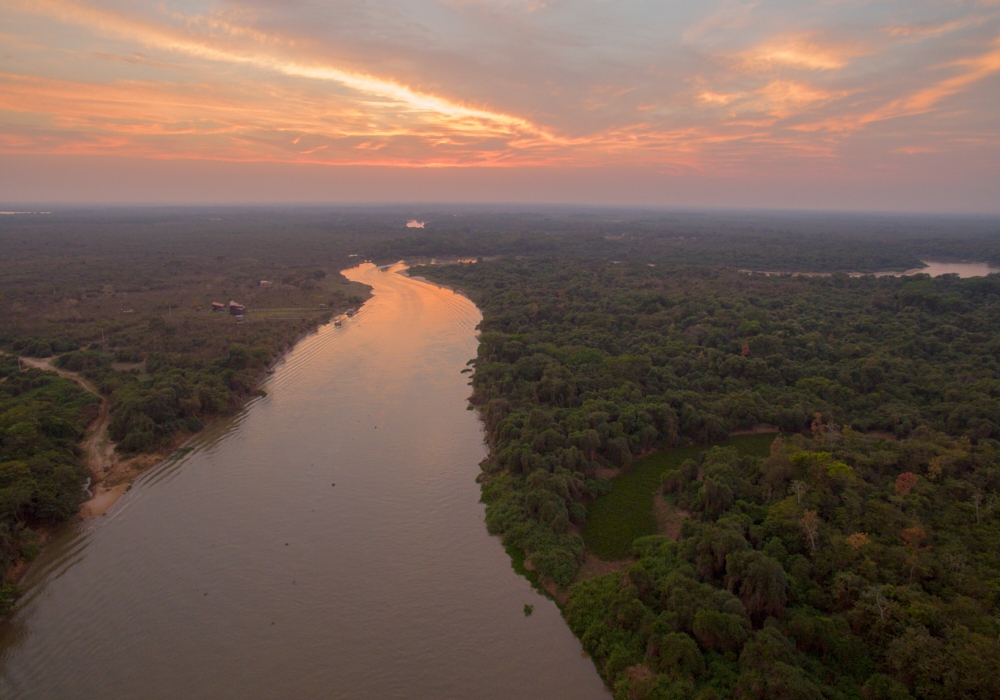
(338, 324)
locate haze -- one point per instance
(837, 105)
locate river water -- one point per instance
(327, 542)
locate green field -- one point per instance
(617, 518)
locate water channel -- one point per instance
(327, 542)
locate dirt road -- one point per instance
(98, 449)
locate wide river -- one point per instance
(326, 542)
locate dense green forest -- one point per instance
(42, 417)
(880, 500)
(843, 565)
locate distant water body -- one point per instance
(239, 570)
(934, 269)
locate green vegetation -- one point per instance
(584, 365)
(840, 566)
(42, 417)
(624, 514)
(124, 298)
(853, 558)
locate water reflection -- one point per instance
(240, 570)
(936, 269)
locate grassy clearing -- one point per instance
(626, 512)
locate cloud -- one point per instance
(217, 39)
(803, 51)
(443, 83)
(927, 30)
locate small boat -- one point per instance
(338, 324)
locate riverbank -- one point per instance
(112, 474)
(420, 278)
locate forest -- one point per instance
(854, 561)
(42, 418)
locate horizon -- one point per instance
(14, 209)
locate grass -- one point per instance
(617, 518)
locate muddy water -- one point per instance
(238, 570)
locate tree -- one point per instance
(799, 488)
(912, 537)
(905, 483)
(760, 582)
(858, 540)
(810, 525)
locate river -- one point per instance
(326, 542)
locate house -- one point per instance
(266, 284)
(218, 306)
(236, 309)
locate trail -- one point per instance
(99, 451)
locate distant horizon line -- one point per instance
(51, 207)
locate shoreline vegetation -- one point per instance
(826, 561)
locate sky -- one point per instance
(833, 104)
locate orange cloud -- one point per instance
(782, 98)
(245, 94)
(219, 42)
(802, 51)
(919, 101)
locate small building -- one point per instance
(218, 306)
(266, 284)
(236, 309)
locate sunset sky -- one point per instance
(834, 104)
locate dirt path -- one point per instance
(98, 449)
